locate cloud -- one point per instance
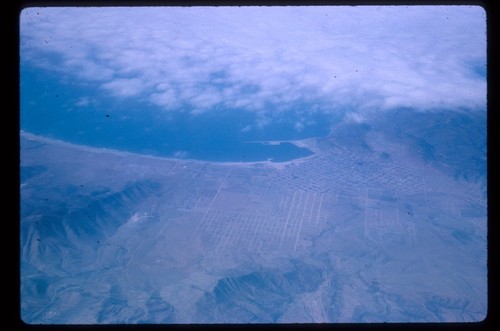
(354, 118)
(267, 59)
(247, 128)
(125, 87)
(299, 126)
(82, 102)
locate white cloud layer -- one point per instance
(268, 58)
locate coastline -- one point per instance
(308, 143)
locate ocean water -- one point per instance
(56, 107)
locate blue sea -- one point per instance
(56, 107)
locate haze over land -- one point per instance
(180, 166)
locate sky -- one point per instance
(265, 60)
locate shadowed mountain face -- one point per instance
(386, 222)
(258, 297)
(156, 310)
(101, 217)
(58, 234)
